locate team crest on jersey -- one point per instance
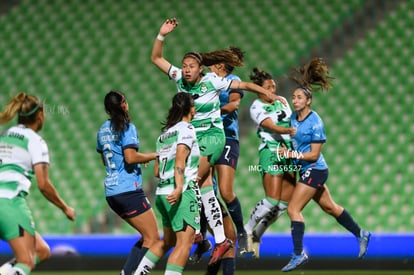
(203, 88)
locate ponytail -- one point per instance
(314, 73)
(118, 116)
(232, 57)
(23, 105)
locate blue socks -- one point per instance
(297, 230)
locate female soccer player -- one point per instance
(307, 143)
(226, 165)
(177, 167)
(117, 142)
(24, 155)
(273, 128)
(225, 168)
(207, 121)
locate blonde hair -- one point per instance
(24, 105)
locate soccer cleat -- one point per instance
(363, 241)
(242, 247)
(220, 250)
(255, 246)
(202, 247)
(5, 268)
(296, 261)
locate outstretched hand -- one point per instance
(70, 213)
(168, 26)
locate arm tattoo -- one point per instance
(180, 170)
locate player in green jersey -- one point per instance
(273, 128)
(205, 89)
(23, 156)
(177, 168)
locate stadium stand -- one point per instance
(71, 53)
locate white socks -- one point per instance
(269, 219)
(262, 208)
(213, 213)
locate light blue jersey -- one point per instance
(120, 176)
(230, 121)
(308, 131)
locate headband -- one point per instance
(194, 55)
(306, 91)
(31, 112)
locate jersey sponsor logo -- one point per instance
(15, 135)
(174, 74)
(108, 138)
(167, 135)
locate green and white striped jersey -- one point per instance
(206, 97)
(279, 114)
(20, 149)
(167, 142)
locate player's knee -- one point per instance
(293, 212)
(43, 252)
(183, 245)
(150, 241)
(227, 195)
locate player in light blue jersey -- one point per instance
(24, 155)
(117, 142)
(205, 89)
(307, 144)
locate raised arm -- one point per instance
(156, 55)
(249, 86)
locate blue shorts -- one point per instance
(230, 154)
(314, 178)
(129, 204)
